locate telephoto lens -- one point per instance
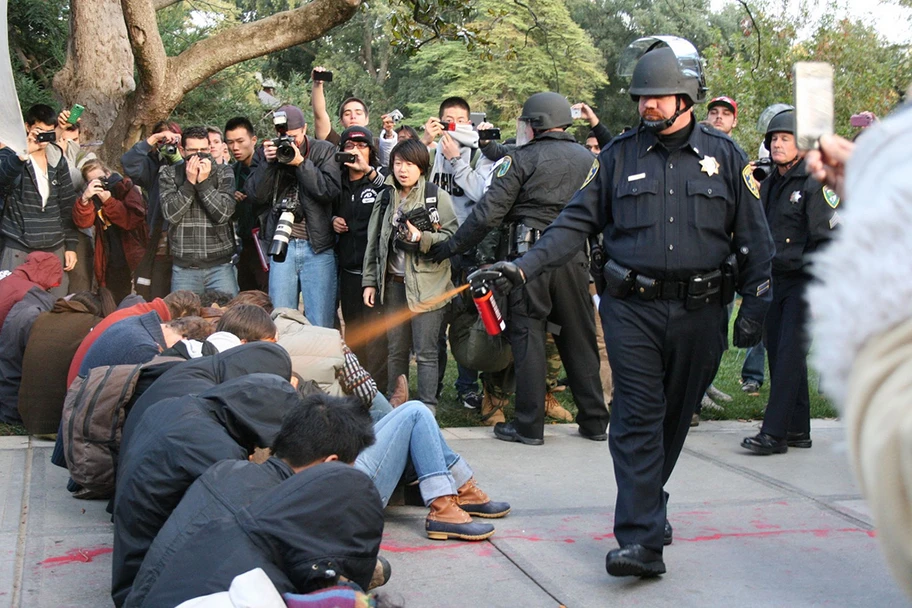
(762, 169)
(279, 247)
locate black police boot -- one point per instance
(634, 560)
(506, 431)
(798, 440)
(765, 444)
(669, 534)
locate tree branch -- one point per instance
(146, 42)
(160, 4)
(261, 37)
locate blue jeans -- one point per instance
(222, 278)
(380, 407)
(311, 274)
(410, 430)
(754, 361)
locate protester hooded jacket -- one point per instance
(175, 442)
(199, 375)
(53, 340)
(13, 340)
(223, 490)
(323, 522)
(42, 270)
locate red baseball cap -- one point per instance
(724, 101)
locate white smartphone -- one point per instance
(813, 102)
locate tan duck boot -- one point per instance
(492, 409)
(447, 520)
(474, 501)
(553, 409)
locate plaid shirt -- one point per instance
(201, 233)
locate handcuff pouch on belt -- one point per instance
(618, 280)
(522, 238)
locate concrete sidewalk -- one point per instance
(775, 531)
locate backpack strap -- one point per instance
(430, 201)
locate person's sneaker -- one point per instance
(709, 405)
(470, 400)
(717, 395)
(751, 388)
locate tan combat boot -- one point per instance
(553, 409)
(492, 409)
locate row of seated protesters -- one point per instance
(208, 395)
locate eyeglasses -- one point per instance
(351, 145)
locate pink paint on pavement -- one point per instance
(76, 556)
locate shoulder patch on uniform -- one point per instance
(592, 173)
(750, 182)
(830, 197)
(505, 165)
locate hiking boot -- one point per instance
(553, 409)
(751, 388)
(400, 393)
(474, 501)
(470, 400)
(709, 405)
(717, 395)
(447, 520)
(492, 409)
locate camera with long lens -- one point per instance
(278, 249)
(763, 168)
(284, 143)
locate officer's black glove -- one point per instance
(748, 332)
(440, 251)
(511, 276)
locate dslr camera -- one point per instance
(763, 168)
(284, 143)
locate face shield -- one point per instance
(767, 115)
(524, 132)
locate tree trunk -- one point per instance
(98, 73)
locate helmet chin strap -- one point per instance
(788, 164)
(657, 126)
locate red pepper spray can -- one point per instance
(483, 296)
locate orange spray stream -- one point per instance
(365, 334)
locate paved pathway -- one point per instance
(787, 530)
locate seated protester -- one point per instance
(174, 306)
(249, 323)
(214, 303)
(139, 339)
(41, 270)
(445, 480)
(396, 273)
(318, 430)
(52, 342)
(117, 210)
(197, 198)
(319, 355)
(167, 380)
(361, 187)
(13, 340)
(175, 441)
(38, 204)
(254, 297)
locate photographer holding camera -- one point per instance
(297, 177)
(197, 198)
(38, 198)
(115, 207)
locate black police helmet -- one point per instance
(783, 122)
(547, 111)
(659, 73)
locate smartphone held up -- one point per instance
(813, 81)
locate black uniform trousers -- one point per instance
(789, 406)
(663, 358)
(374, 353)
(560, 297)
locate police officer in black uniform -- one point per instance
(675, 202)
(802, 216)
(529, 188)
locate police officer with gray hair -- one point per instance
(528, 189)
(677, 206)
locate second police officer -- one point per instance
(675, 202)
(528, 189)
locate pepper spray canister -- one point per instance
(480, 283)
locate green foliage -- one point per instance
(38, 31)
